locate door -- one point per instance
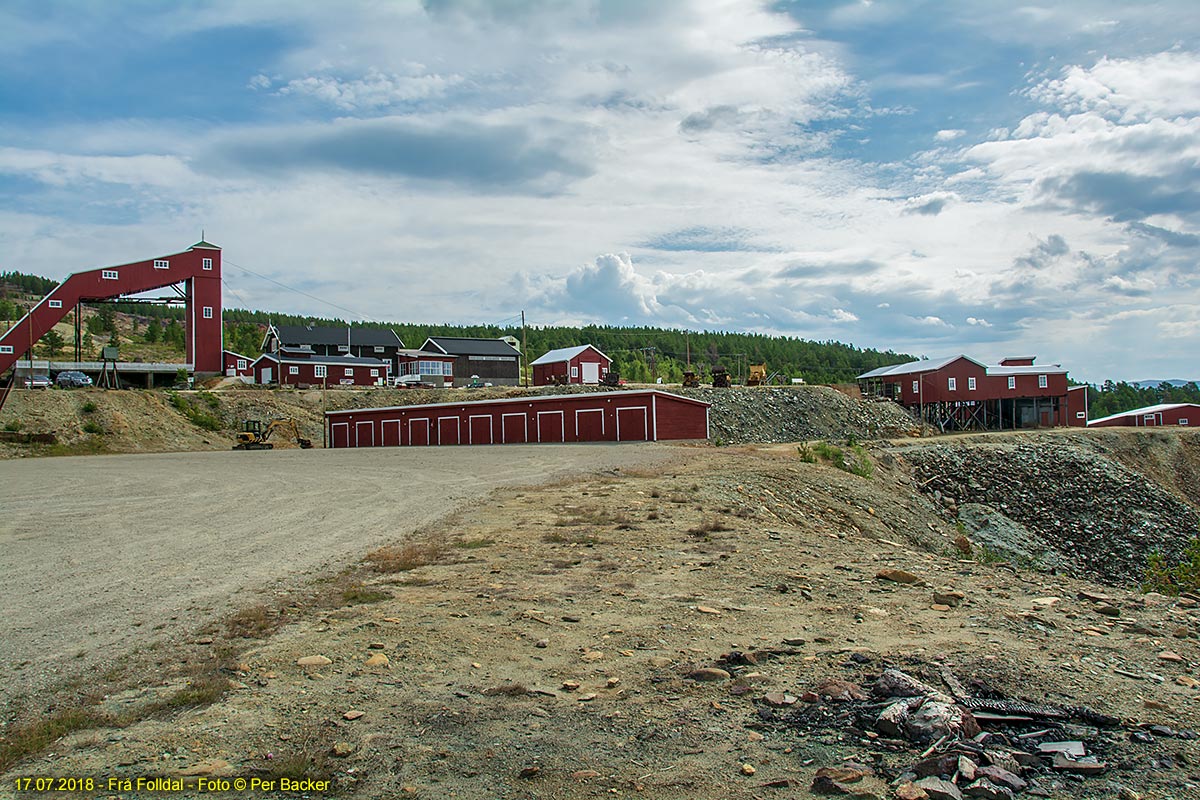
(514, 428)
(391, 432)
(364, 434)
(266, 375)
(480, 429)
(418, 432)
(589, 425)
(631, 425)
(591, 372)
(550, 426)
(341, 434)
(448, 429)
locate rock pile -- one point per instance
(1056, 507)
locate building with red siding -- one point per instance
(236, 365)
(960, 393)
(1178, 414)
(285, 369)
(633, 416)
(582, 364)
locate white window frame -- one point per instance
(6, 348)
(1183, 420)
(1043, 381)
(380, 349)
(374, 373)
(916, 387)
(343, 348)
(207, 313)
(951, 385)
(293, 370)
(318, 370)
(1012, 381)
(574, 372)
(970, 384)
(241, 363)
(162, 263)
(349, 372)
(110, 274)
(54, 303)
(1083, 415)
(206, 263)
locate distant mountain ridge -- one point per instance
(1155, 384)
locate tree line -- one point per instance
(1113, 398)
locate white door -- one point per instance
(591, 372)
(266, 375)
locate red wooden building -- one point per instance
(1179, 414)
(634, 416)
(284, 369)
(236, 365)
(582, 364)
(960, 393)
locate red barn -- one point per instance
(1077, 406)
(1180, 414)
(237, 365)
(313, 370)
(582, 364)
(959, 393)
(634, 416)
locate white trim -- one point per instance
(457, 428)
(349, 373)
(1182, 421)
(206, 263)
(383, 432)
(579, 411)
(574, 371)
(358, 426)
(207, 313)
(6, 348)
(562, 424)
(951, 384)
(293, 370)
(162, 263)
(427, 431)
(491, 428)
(109, 274)
(970, 383)
(524, 417)
(538, 398)
(1043, 381)
(333, 433)
(54, 304)
(1012, 381)
(241, 364)
(645, 421)
(653, 419)
(319, 371)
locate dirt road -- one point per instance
(103, 554)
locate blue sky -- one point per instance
(931, 177)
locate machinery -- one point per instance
(720, 378)
(690, 380)
(255, 436)
(758, 375)
(611, 378)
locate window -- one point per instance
(293, 370)
(1183, 421)
(208, 312)
(1042, 381)
(1012, 381)
(374, 373)
(206, 263)
(343, 348)
(349, 372)
(162, 264)
(1083, 415)
(109, 274)
(55, 304)
(970, 384)
(380, 349)
(241, 363)
(951, 384)
(574, 372)
(318, 370)
(447, 368)
(5, 348)
(916, 387)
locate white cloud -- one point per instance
(949, 134)
(977, 321)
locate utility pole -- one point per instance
(687, 338)
(524, 351)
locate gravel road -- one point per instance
(100, 554)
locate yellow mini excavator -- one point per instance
(255, 436)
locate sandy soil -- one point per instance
(104, 554)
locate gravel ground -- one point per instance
(128, 551)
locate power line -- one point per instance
(351, 312)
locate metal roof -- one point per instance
(464, 346)
(529, 398)
(563, 354)
(309, 334)
(914, 367)
(1137, 412)
(318, 359)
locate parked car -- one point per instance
(71, 379)
(37, 382)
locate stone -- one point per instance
(376, 646)
(529, 772)
(810, 697)
(942, 607)
(935, 719)
(342, 749)
(708, 610)
(1045, 602)
(910, 791)
(891, 721)
(1108, 610)
(659, 661)
(313, 661)
(838, 689)
(748, 769)
(584, 774)
(828, 786)
(709, 674)
(948, 597)
(353, 715)
(1073, 749)
(1170, 656)
(850, 772)
(966, 768)
(570, 686)
(1087, 765)
(1188, 681)
(587, 698)
(778, 699)
(755, 736)
(898, 576)
(377, 660)
(987, 790)
(215, 766)
(938, 789)
(542, 643)
(1002, 777)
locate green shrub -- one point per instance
(89, 407)
(1174, 579)
(197, 416)
(860, 465)
(211, 399)
(13, 425)
(91, 426)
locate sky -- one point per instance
(927, 177)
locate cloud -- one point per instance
(930, 204)
(949, 134)
(979, 322)
(709, 240)
(374, 90)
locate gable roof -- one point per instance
(463, 346)
(914, 367)
(310, 334)
(345, 361)
(564, 354)
(1137, 412)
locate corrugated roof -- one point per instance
(1137, 412)
(525, 399)
(463, 346)
(367, 337)
(914, 367)
(563, 354)
(334, 360)
(1044, 369)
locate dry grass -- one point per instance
(361, 595)
(507, 689)
(20, 743)
(406, 557)
(710, 525)
(590, 515)
(255, 622)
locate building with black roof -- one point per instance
(493, 361)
